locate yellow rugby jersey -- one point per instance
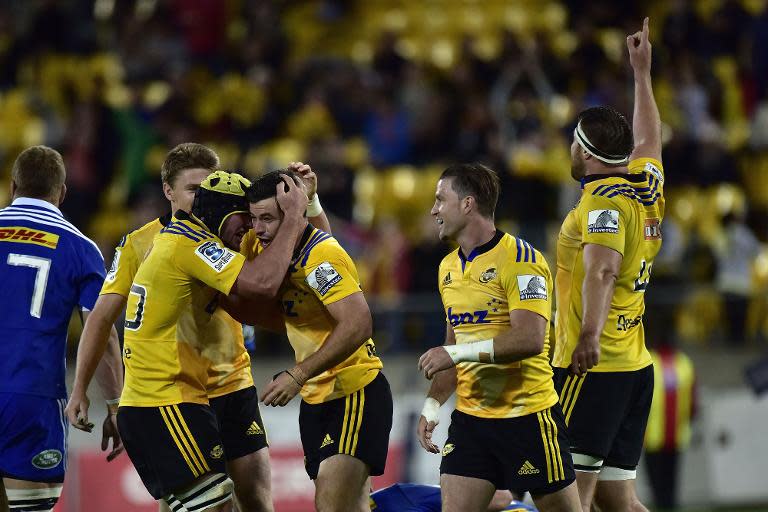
(228, 370)
(320, 274)
(478, 293)
(173, 328)
(623, 212)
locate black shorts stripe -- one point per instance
(558, 472)
(359, 421)
(190, 438)
(170, 423)
(575, 388)
(589, 469)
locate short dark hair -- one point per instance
(608, 130)
(38, 172)
(478, 181)
(188, 155)
(265, 186)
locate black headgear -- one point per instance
(220, 195)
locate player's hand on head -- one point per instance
(639, 47)
(585, 356)
(308, 176)
(291, 197)
(435, 360)
(77, 412)
(109, 431)
(280, 391)
(424, 432)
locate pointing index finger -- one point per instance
(645, 29)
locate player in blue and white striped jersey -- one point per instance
(47, 269)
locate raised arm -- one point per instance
(315, 213)
(646, 122)
(353, 328)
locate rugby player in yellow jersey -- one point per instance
(230, 385)
(346, 409)
(605, 253)
(168, 428)
(508, 431)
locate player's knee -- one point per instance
(254, 501)
(208, 493)
(43, 498)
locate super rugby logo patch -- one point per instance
(323, 278)
(603, 221)
(216, 256)
(532, 287)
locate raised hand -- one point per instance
(640, 50)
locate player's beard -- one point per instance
(578, 169)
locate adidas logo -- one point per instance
(254, 430)
(326, 441)
(527, 469)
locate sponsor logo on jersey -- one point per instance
(112, 274)
(478, 317)
(652, 229)
(488, 275)
(649, 167)
(448, 449)
(323, 278)
(624, 323)
(29, 236)
(528, 469)
(447, 279)
(216, 256)
(217, 451)
(603, 221)
(47, 459)
(532, 287)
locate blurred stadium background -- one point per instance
(378, 96)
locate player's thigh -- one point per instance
(564, 500)
(252, 477)
(594, 406)
(27, 495)
(342, 484)
(465, 494)
(618, 496)
(621, 462)
(357, 425)
(172, 447)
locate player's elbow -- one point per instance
(535, 346)
(363, 327)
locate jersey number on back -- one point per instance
(42, 267)
(135, 323)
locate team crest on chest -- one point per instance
(488, 275)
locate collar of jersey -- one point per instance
(480, 249)
(31, 201)
(637, 178)
(303, 241)
(165, 219)
(182, 215)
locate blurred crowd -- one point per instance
(379, 96)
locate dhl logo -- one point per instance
(28, 236)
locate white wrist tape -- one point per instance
(314, 208)
(431, 410)
(476, 351)
(112, 401)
